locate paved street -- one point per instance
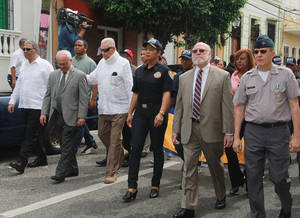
(33, 195)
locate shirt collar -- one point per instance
(204, 69)
(83, 56)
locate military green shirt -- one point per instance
(267, 102)
(86, 65)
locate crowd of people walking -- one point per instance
(215, 107)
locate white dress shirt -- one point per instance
(114, 79)
(16, 60)
(204, 77)
(31, 85)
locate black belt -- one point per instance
(147, 105)
(195, 120)
(269, 125)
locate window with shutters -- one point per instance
(6, 14)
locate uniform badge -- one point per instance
(157, 75)
(278, 96)
(171, 74)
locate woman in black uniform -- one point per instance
(150, 103)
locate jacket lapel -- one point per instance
(190, 87)
(57, 80)
(210, 78)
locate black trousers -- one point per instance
(67, 163)
(143, 121)
(237, 178)
(34, 135)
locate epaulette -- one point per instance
(249, 72)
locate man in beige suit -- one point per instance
(203, 120)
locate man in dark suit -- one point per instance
(66, 104)
(203, 118)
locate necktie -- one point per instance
(197, 96)
(59, 92)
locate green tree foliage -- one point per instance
(198, 19)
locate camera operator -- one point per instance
(67, 31)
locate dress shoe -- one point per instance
(19, 166)
(38, 162)
(220, 204)
(93, 145)
(110, 179)
(285, 215)
(184, 213)
(57, 180)
(72, 174)
(101, 163)
(129, 196)
(125, 163)
(154, 193)
(144, 154)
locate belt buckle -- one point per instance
(144, 105)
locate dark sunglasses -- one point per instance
(200, 50)
(106, 49)
(264, 51)
(27, 49)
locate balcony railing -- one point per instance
(9, 42)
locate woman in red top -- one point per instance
(244, 61)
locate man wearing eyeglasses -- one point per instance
(114, 79)
(267, 99)
(203, 120)
(30, 90)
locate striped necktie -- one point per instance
(197, 95)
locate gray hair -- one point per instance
(64, 53)
(109, 41)
(30, 42)
(21, 41)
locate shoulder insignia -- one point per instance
(171, 74)
(157, 75)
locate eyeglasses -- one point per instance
(263, 51)
(200, 50)
(106, 49)
(27, 49)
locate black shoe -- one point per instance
(101, 163)
(38, 162)
(144, 154)
(72, 174)
(19, 166)
(129, 196)
(284, 215)
(125, 163)
(220, 204)
(184, 213)
(154, 193)
(57, 179)
(93, 145)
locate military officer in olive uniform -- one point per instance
(267, 98)
(151, 101)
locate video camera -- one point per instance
(65, 17)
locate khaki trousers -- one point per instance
(212, 153)
(110, 131)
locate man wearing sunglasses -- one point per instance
(30, 90)
(114, 79)
(267, 99)
(203, 120)
(16, 61)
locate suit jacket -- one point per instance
(216, 110)
(75, 96)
